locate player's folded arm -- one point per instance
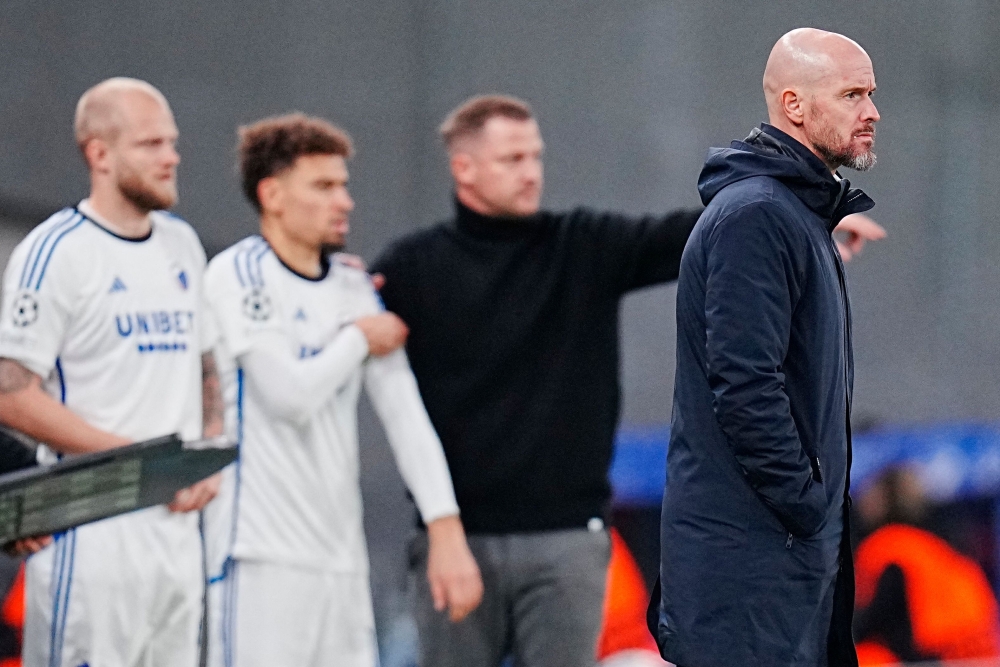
(751, 289)
(296, 388)
(293, 387)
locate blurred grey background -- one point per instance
(629, 94)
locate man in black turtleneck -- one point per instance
(513, 314)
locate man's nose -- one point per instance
(533, 172)
(173, 158)
(346, 202)
(871, 113)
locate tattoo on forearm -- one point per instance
(212, 406)
(14, 377)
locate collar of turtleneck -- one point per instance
(493, 227)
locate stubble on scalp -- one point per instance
(99, 113)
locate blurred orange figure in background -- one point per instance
(625, 641)
(952, 611)
(917, 598)
(12, 616)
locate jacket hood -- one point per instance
(770, 152)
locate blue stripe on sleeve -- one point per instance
(256, 259)
(246, 264)
(236, 264)
(52, 248)
(41, 238)
(242, 259)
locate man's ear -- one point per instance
(95, 153)
(462, 168)
(792, 104)
(270, 194)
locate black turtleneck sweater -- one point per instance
(514, 343)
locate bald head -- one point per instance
(818, 86)
(102, 111)
(805, 58)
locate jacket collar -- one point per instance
(831, 197)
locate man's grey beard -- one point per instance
(845, 158)
(862, 162)
(142, 197)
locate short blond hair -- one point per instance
(470, 116)
(98, 115)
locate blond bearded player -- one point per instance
(299, 335)
(102, 344)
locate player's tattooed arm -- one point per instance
(25, 407)
(14, 377)
(213, 409)
(196, 496)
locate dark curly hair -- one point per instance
(272, 145)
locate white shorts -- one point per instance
(123, 592)
(265, 615)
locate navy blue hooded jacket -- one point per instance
(755, 559)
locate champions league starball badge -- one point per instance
(25, 310)
(257, 305)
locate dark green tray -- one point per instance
(89, 487)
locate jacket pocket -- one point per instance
(817, 469)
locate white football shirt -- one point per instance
(292, 366)
(111, 324)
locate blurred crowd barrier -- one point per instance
(954, 461)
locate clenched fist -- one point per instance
(385, 332)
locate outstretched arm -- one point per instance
(854, 231)
(638, 252)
